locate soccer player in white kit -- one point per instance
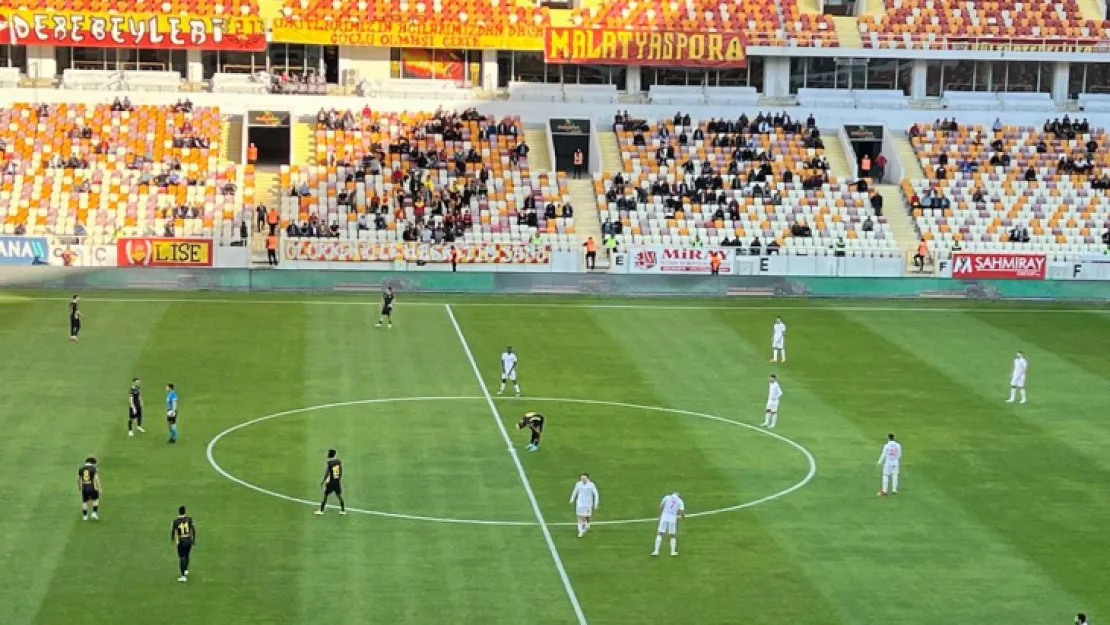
(671, 509)
(1017, 377)
(774, 393)
(508, 370)
(890, 457)
(778, 341)
(585, 499)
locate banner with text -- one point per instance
(66, 252)
(663, 259)
(448, 34)
(978, 266)
(641, 47)
(327, 250)
(24, 250)
(135, 30)
(151, 252)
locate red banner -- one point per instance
(642, 47)
(977, 266)
(134, 30)
(330, 250)
(149, 252)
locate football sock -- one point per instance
(342, 504)
(130, 423)
(96, 509)
(183, 564)
(782, 352)
(674, 545)
(1011, 395)
(517, 387)
(885, 480)
(894, 482)
(774, 418)
(501, 389)
(173, 433)
(1023, 396)
(658, 541)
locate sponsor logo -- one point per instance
(24, 251)
(164, 252)
(646, 260)
(999, 266)
(659, 259)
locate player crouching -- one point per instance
(534, 422)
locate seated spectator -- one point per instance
(773, 247)
(756, 247)
(1030, 175)
(1019, 234)
(868, 225)
(941, 173)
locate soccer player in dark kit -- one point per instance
(534, 422)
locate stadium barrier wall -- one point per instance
(265, 280)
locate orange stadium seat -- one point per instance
(72, 169)
(916, 23)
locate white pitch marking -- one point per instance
(520, 471)
(786, 305)
(416, 517)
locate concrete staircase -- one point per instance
(839, 160)
(267, 180)
(898, 219)
(231, 138)
(1089, 10)
(304, 143)
(611, 161)
(873, 7)
(847, 32)
(587, 223)
(539, 156)
(904, 151)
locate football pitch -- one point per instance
(1001, 515)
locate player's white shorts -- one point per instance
(778, 344)
(668, 525)
(584, 511)
(509, 376)
(772, 406)
(1018, 381)
(890, 469)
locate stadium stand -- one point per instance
(917, 23)
(1012, 189)
(113, 170)
(689, 182)
(418, 176)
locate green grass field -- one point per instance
(1000, 519)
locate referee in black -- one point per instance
(184, 536)
(74, 318)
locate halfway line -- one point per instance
(520, 471)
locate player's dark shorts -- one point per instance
(89, 494)
(171, 419)
(134, 414)
(387, 311)
(74, 326)
(183, 548)
(333, 488)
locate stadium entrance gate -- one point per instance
(568, 135)
(270, 132)
(866, 141)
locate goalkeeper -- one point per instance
(171, 412)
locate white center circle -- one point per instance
(435, 519)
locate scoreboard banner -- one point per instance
(458, 35)
(160, 252)
(643, 47)
(133, 30)
(663, 259)
(978, 266)
(325, 250)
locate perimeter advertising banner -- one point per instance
(663, 259)
(980, 265)
(642, 47)
(327, 250)
(158, 252)
(134, 30)
(24, 250)
(458, 34)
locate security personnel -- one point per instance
(272, 219)
(579, 160)
(921, 255)
(841, 247)
(865, 166)
(715, 263)
(591, 253)
(610, 245)
(454, 259)
(271, 250)
(956, 246)
(252, 153)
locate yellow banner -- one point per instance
(134, 30)
(451, 35)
